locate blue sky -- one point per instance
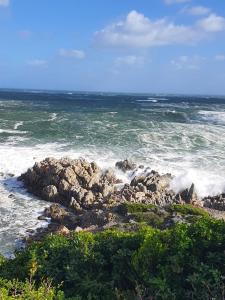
(162, 46)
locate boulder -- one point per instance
(50, 192)
(215, 202)
(189, 196)
(75, 183)
(63, 230)
(126, 165)
(62, 216)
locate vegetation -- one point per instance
(126, 208)
(186, 261)
(187, 209)
(21, 291)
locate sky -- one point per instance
(153, 46)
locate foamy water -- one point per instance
(181, 136)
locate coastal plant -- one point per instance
(186, 261)
(14, 289)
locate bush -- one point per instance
(184, 262)
(187, 209)
(27, 291)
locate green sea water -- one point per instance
(184, 135)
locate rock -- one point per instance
(78, 229)
(110, 176)
(56, 212)
(63, 230)
(126, 165)
(88, 199)
(95, 217)
(189, 196)
(42, 218)
(11, 196)
(141, 166)
(50, 192)
(61, 180)
(106, 190)
(69, 175)
(62, 216)
(64, 187)
(75, 205)
(149, 188)
(215, 202)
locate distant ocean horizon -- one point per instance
(180, 134)
(110, 92)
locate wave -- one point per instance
(148, 100)
(18, 124)
(11, 131)
(206, 183)
(160, 99)
(217, 117)
(53, 116)
(23, 208)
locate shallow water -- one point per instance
(184, 135)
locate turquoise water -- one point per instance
(184, 135)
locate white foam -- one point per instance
(18, 124)
(165, 148)
(53, 116)
(205, 183)
(213, 116)
(11, 131)
(148, 100)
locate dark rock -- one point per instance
(50, 192)
(42, 218)
(215, 202)
(11, 196)
(189, 196)
(126, 165)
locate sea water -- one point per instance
(183, 135)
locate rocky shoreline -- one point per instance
(87, 198)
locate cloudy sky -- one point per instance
(161, 46)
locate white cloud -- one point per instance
(169, 2)
(129, 60)
(136, 30)
(220, 57)
(4, 3)
(37, 63)
(197, 10)
(212, 23)
(187, 62)
(79, 54)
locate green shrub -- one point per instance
(14, 289)
(149, 218)
(187, 209)
(126, 208)
(184, 262)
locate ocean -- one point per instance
(183, 135)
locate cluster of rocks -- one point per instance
(126, 165)
(74, 183)
(86, 197)
(149, 188)
(216, 202)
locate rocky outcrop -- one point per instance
(86, 198)
(126, 165)
(216, 202)
(74, 183)
(148, 188)
(189, 196)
